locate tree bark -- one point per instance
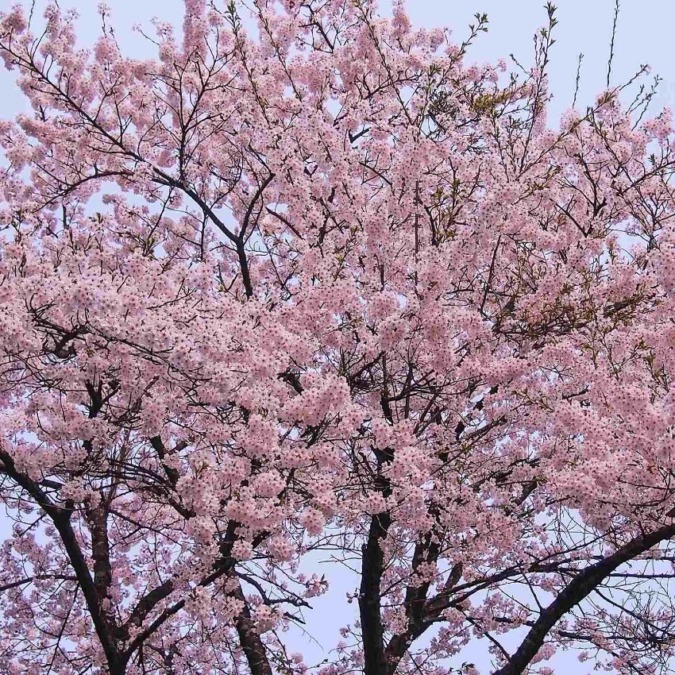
(372, 566)
(249, 637)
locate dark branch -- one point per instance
(582, 585)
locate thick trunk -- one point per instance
(372, 566)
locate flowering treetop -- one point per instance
(312, 282)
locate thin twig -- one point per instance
(617, 8)
(577, 79)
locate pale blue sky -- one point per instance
(645, 35)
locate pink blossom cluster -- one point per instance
(311, 284)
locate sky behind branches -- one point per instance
(644, 36)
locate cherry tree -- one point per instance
(310, 285)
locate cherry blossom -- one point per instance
(309, 285)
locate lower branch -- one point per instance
(249, 637)
(578, 589)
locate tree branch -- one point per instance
(582, 585)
